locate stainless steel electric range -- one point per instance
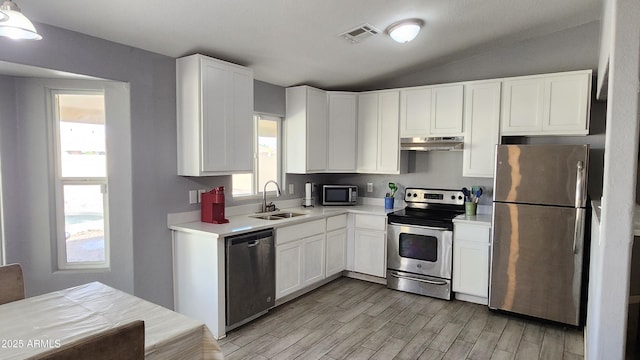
(419, 242)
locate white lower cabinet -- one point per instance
(313, 259)
(471, 262)
(336, 252)
(370, 245)
(300, 256)
(288, 268)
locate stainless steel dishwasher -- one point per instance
(250, 276)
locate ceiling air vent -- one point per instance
(359, 33)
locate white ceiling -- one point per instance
(290, 42)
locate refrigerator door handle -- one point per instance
(578, 233)
(580, 182)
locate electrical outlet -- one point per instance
(369, 187)
(194, 198)
(200, 192)
(291, 189)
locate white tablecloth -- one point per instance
(34, 325)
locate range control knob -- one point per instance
(415, 195)
(453, 197)
(459, 197)
(408, 195)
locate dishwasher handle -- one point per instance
(252, 239)
(252, 243)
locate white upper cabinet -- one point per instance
(306, 130)
(341, 141)
(431, 111)
(320, 131)
(378, 132)
(550, 104)
(415, 112)
(214, 116)
(481, 123)
(446, 110)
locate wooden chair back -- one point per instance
(11, 283)
(125, 342)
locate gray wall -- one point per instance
(571, 49)
(156, 188)
(8, 162)
(158, 191)
(268, 98)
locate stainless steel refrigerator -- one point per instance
(539, 209)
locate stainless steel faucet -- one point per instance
(271, 206)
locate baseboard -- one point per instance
(309, 288)
(472, 298)
(365, 277)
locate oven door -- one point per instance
(419, 250)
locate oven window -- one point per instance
(336, 195)
(419, 247)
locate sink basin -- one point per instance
(287, 215)
(277, 216)
(268, 217)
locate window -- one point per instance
(267, 159)
(80, 179)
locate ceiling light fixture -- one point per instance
(405, 30)
(16, 26)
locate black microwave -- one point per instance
(338, 194)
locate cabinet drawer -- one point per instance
(371, 222)
(467, 232)
(337, 222)
(299, 231)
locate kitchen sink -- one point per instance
(277, 216)
(268, 217)
(288, 214)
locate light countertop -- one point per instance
(595, 204)
(479, 219)
(244, 223)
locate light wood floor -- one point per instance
(353, 319)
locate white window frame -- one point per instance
(59, 183)
(256, 192)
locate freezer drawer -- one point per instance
(536, 265)
(542, 174)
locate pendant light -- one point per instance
(15, 25)
(405, 30)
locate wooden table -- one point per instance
(34, 325)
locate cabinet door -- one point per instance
(288, 268)
(241, 125)
(471, 268)
(446, 110)
(522, 106)
(227, 118)
(370, 252)
(341, 140)
(216, 144)
(336, 251)
(316, 130)
(388, 137)
(567, 103)
(367, 132)
(481, 124)
(415, 112)
(313, 259)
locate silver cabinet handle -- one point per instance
(579, 184)
(433, 282)
(578, 232)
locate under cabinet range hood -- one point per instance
(432, 143)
